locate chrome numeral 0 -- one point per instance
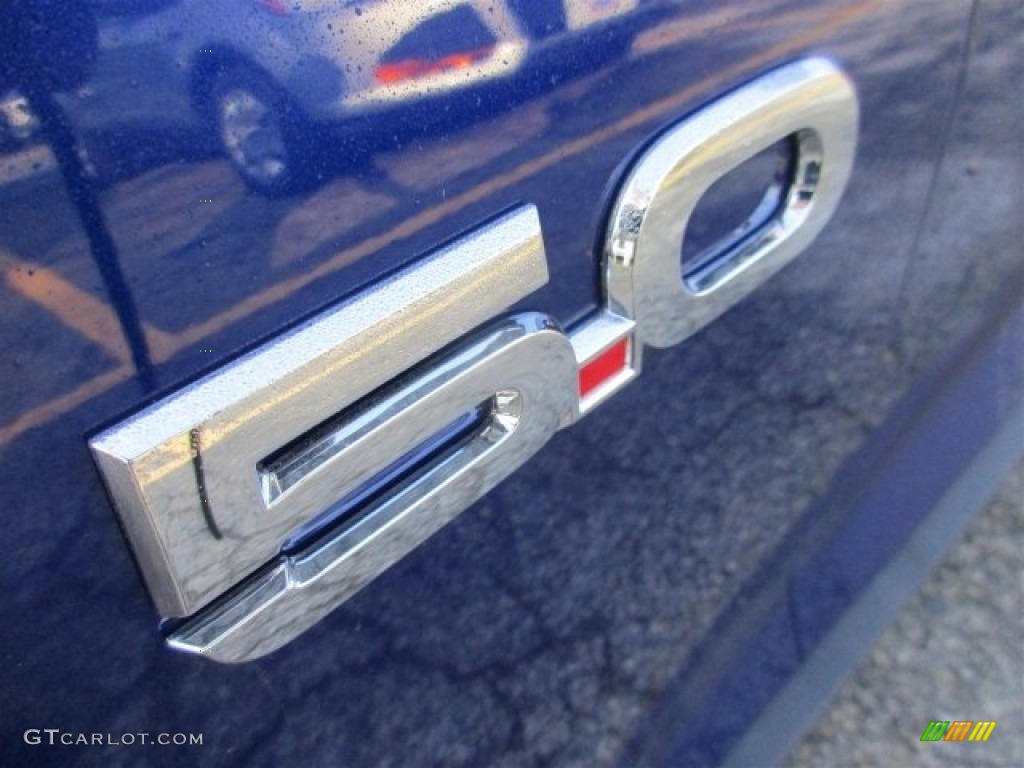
(809, 101)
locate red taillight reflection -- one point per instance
(413, 69)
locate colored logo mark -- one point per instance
(958, 730)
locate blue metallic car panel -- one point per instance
(552, 622)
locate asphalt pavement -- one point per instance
(955, 653)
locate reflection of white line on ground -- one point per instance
(325, 217)
(84, 314)
(78, 310)
(157, 213)
(730, 18)
(31, 161)
(687, 28)
(57, 407)
(443, 161)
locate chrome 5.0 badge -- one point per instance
(262, 496)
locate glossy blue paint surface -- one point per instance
(549, 620)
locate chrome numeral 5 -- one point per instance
(523, 370)
(185, 472)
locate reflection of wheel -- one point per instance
(260, 131)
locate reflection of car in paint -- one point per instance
(259, 75)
